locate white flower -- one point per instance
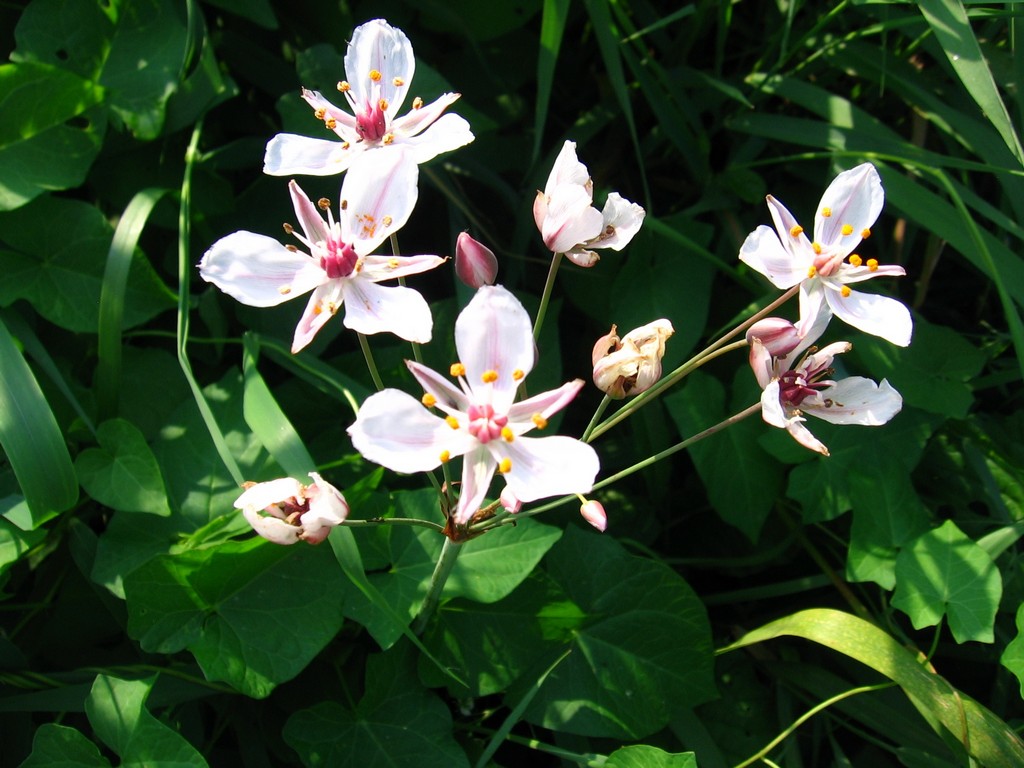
(259, 271)
(286, 511)
(569, 223)
(632, 364)
(844, 218)
(481, 423)
(379, 65)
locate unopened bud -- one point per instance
(779, 337)
(475, 263)
(510, 501)
(286, 511)
(593, 512)
(632, 364)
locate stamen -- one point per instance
(288, 228)
(539, 421)
(812, 271)
(507, 435)
(323, 203)
(856, 260)
(826, 212)
(417, 103)
(386, 221)
(291, 248)
(457, 369)
(345, 145)
(428, 400)
(845, 291)
(397, 82)
(873, 264)
(451, 421)
(796, 230)
(331, 123)
(865, 233)
(392, 263)
(284, 290)
(375, 75)
(445, 456)
(505, 465)
(383, 104)
(388, 138)
(847, 229)
(816, 247)
(344, 205)
(320, 113)
(489, 377)
(343, 86)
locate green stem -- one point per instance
(602, 406)
(374, 521)
(545, 299)
(374, 374)
(445, 563)
(416, 354)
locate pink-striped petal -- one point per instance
(289, 154)
(763, 252)
(878, 315)
(478, 467)
(853, 200)
(376, 45)
(371, 308)
(259, 271)
(322, 306)
(380, 268)
(855, 400)
(378, 195)
(547, 466)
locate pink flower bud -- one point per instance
(593, 513)
(475, 263)
(286, 511)
(779, 337)
(510, 501)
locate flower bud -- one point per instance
(593, 513)
(779, 337)
(510, 501)
(285, 511)
(632, 364)
(475, 263)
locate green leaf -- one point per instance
(943, 572)
(31, 439)
(117, 712)
(254, 614)
(397, 722)
(47, 114)
(743, 499)
(122, 473)
(1013, 655)
(643, 651)
(644, 756)
(63, 277)
(986, 736)
(57, 746)
(14, 542)
(552, 30)
(259, 12)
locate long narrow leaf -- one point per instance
(552, 29)
(31, 438)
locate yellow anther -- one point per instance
(284, 290)
(386, 221)
(317, 309)
(417, 103)
(507, 434)
(451, 421)
(865, 233)
(826, 212)
(397, 82)
(343, 86)
(320, 113)
(816, 247)
(323, 203)
(873, 264)
(457, 369)
(847, 229)
(445, 456)
(505, 465)
(489, 377)
(344, 205)
(375, 75)
(518, 374)
(428, 400)
(392, 263)
(383, 104)
(388, 138)
(288, 228)
(812, 271)
(331, 123)
(855, 260)
(291, 248)
(844, 291)
(539, 421)
(796, 230)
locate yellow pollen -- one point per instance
(796, 230)
(331, 307)
(383, 104)
(398, 82)
(375, 75)
(345, 145)
(331, 123)
(428, 400)
(386, 221)
(317, 309)
(505, 465)
(816, 247)
(457, 369)
(507, 435)
(321, 113)
(291, 248)
(826, 212)
(288, 228)
(489, 377)
(518, 374)
(284, 290)
(343, 86)
(865, 233)
(392, 263)
(445, 456)
(539, 421)
(856, 260)
(812, 271)
(344, 205)
(872, 264)
(417, 103)
(451, 421)
(323, 203)
(847, 229)
(389, 138)
(845, 291)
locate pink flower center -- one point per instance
(340, 260)
(484, 425)
(827, 262)
(797, 385)
(371, 124)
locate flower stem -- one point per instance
(416, 354)
(545, 299)
(601, 407)
(374, 521)
(449, 554)
(374, 374)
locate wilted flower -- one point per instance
(632, 364)
(286, 511)
(794, 385)
(259, 271)
(567, 219)
(481, 423)
(475, 263)
(379, 64)
(844, 217)
(593, 512)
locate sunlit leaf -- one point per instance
(58, 746)
(122, 472)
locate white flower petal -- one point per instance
(764, 369)
(571, 219)
(581, 257)
(321, 307)
(309, 216)
(546, 404)
(272, 528)
(415, 120)
(621, 221)
(548, 466)
(378, 195)
(814, 315)
(856, 400)
(259, 271)
(376, 45)
(786, 224)
(450, 132)
(567, 169)
(262, 495)
(450, 398)
(477, 471)
(878, 315)
(763, 252)
(848, 273)
(380, 268)
(855, 198)
(371, 308)
(771, 406)
(289, 154)
(803, 436)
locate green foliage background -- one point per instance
(749, 599)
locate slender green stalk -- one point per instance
(443, 569)
(370, 364)
(545, 299)
(416, 354)
(598, 413)
(375, 521)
